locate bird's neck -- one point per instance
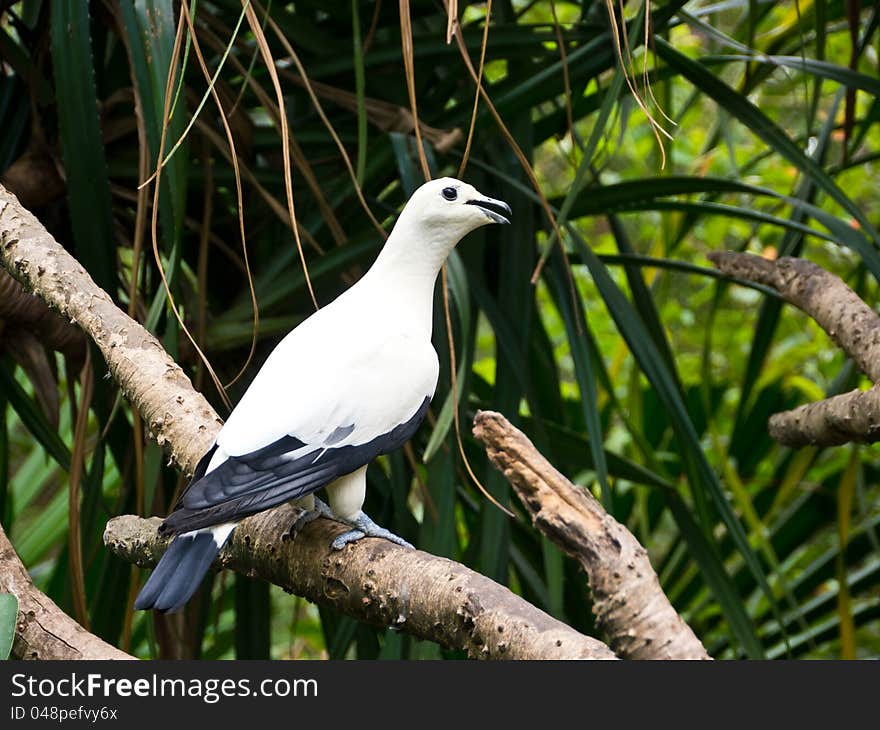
(403, 276)
(415, 249)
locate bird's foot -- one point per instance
(365, 527)
(320, 509)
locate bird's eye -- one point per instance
(450, 193)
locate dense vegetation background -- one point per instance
(631, 365)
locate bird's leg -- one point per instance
(313, 509)
(346, 499)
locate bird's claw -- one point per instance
(320, 510)
(346, 537)
(365, 527)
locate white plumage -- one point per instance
(349, 383)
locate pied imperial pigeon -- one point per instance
(351, 382)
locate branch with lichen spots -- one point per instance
(628, 601)
(850, 322)
(379, 583)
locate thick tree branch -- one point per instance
(629, 604)
(852, 324)
(379, 583)
(43, 630)
(841, 419)
(373, 581)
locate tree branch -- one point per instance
(373, 581)
(629, 604)
(852, 324)
(841, 419)
(43, 630)
(379, 583)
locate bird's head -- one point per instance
(453, 208)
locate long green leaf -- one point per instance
(32, 417)
(88, 187)
(574, 318)
(823, 69)
(8, 619)
(762, 126)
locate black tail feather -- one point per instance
(179, 573)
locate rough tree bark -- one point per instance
(852, 324)
(43, 630)
(379, 583)
(373, 581)
(628, 602)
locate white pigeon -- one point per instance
(351, 382)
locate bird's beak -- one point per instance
(489, 206)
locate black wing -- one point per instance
(247, 484)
